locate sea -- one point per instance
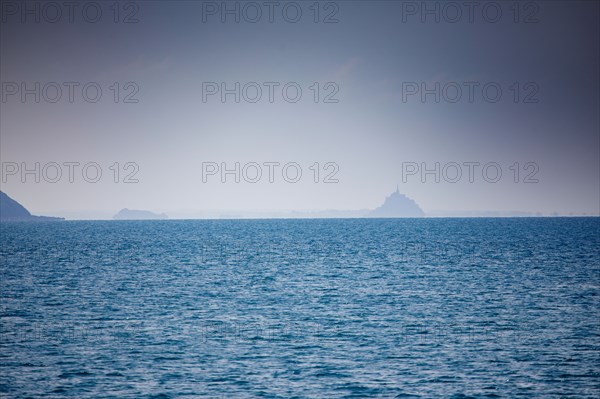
(316, 308)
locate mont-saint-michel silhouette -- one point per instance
(12, 211)
(397, 205)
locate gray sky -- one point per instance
(544, 57)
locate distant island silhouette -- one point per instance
(397, 206)
(133, 214)
(12, 211)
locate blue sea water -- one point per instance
(398, 308)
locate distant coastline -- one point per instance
(12, 211)
(396, 205)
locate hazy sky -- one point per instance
(375, 61)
